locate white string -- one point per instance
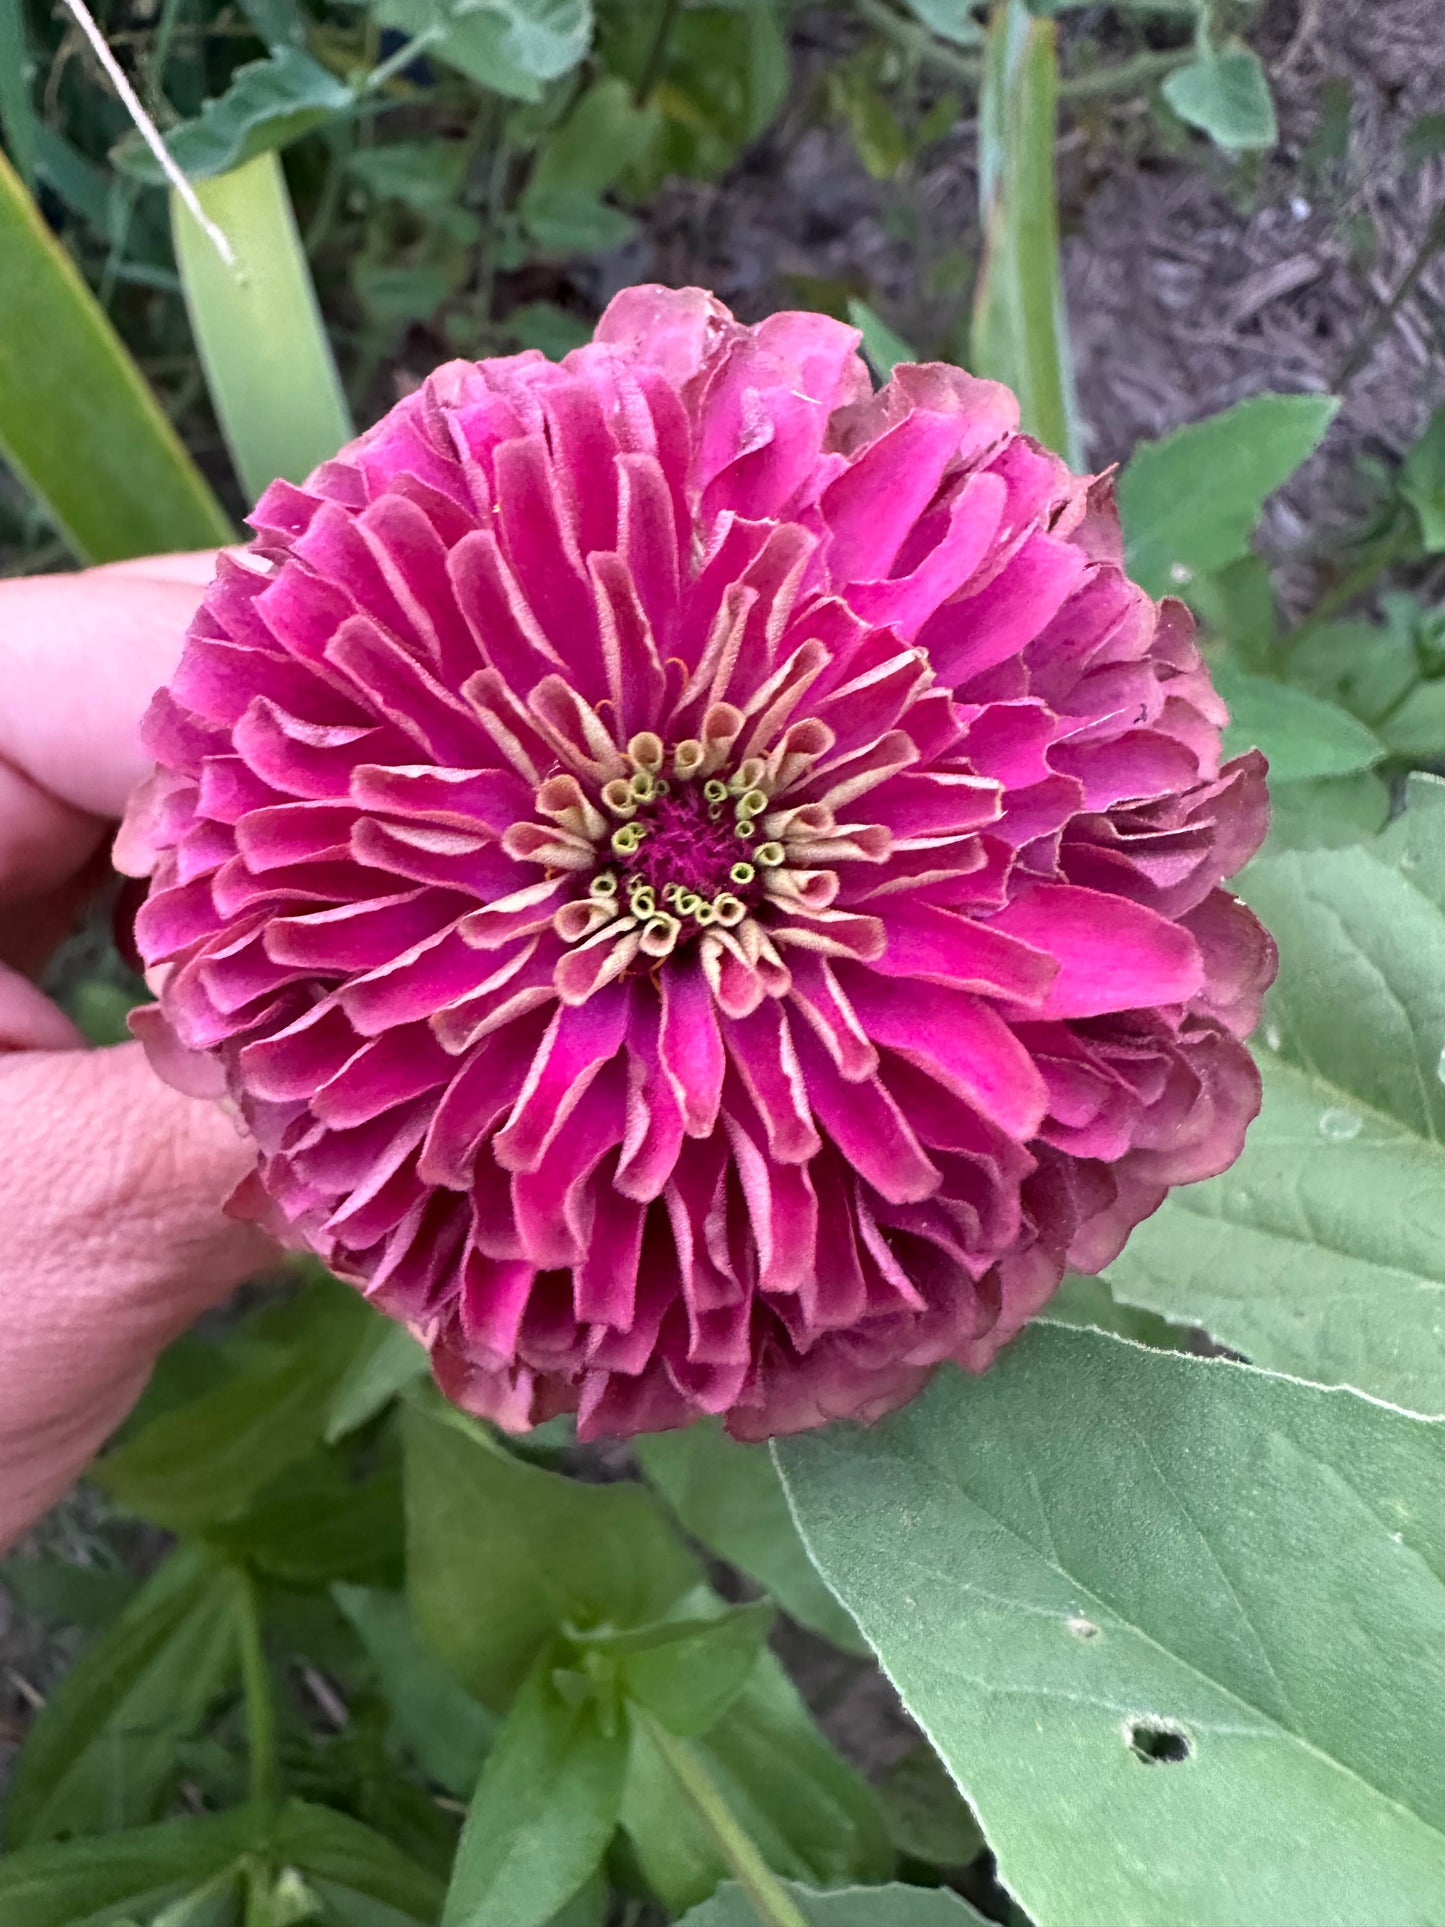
(149, 133)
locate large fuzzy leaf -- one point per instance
(1322, 1251)
(1177, 1626)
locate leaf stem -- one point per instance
(397, 62)
(756, 1878)
(1381, 555)
(1124, 76)
(657, 52)
(1433, 238)
(260, 1706)
(915, 40)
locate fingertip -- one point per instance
(29, 1021)
(80, 658)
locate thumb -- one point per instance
(111, 1193)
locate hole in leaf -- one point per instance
(1157, 1744)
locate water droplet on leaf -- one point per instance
(1339, 1124)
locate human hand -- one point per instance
(111, 1184)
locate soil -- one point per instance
(1191, 282)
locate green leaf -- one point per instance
(501, 1554)
(420, 174)
(508, 46)
(810, 1815)
(856, 99)
(571, 220)
(204, 1461)
(727, 1495)
(1227, 95)
(219, 1902)
(1236, 604)
(1159, 1615)
(96, 1883)
(104, 1746)
(545, 326)
(590, 1906)
(846, 1907)
(545, 1808)
(1302, 735)
(1322, 1251)
(1422, 482)
(605, 134)
(949, 19)
(883, 347)
(262, 342)
(387, 1360)
(1391, 674)
(1327, 815)
(267, 104)
(1088, 1302)
(317, 1523)
(78, 424)
(689, 1673)
(1020, 333)
(1189, 501)
(347, 1864)
(448, 1731)
(279, 23)
(88, 1596)
(928, 1818)
(724, 80)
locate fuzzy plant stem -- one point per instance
(260, 1707)
(770, 1902)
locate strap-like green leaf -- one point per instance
(263, 344)
(1019, 330)
(77, 422)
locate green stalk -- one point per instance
(260, 1707)
(770, 1902)
(1019, 333)
(78, 423)
(262, 342)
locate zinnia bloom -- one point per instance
(702, 880)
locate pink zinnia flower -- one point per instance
(702, 880)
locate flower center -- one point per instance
(694, 842)
(689, 846)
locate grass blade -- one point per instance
(17, 115)
(262, 342)
(1020, 335)
(77, 422)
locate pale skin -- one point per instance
(112, 1236)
